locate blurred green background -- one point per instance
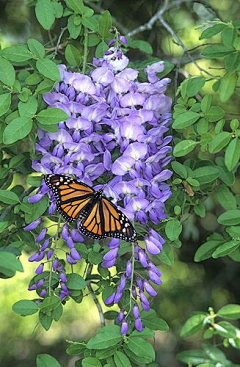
(187, 286)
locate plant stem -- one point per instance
(99, 307)
(51, 262)
(85, 51)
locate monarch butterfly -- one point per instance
(99, 218)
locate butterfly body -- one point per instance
(98, 218)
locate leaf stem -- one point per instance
(91, 291)
(85, 50)
(131, 282)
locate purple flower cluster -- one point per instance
(116, 132)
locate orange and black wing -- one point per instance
(104, 219)
(73, 198)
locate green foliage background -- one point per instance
(199, 267)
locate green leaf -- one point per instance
(9, 264)
(193, 325)
(226, 330)
(45, 360)
(17, 129)
(194, 85)
(185, 119)
(90, 23)
(214, 353)
(28, 108)
(206, 250)
(214, 113)
(232, 61)
(194, 357)
(45, 320)
(105, 24)
(75, 281)
(105, 353)
(8, 197)
(141, 45)
(228, 36)
(51, 116)
(5, 102)
(218, 50)
(184, 147)
(200, 210)
(226, 198)
(180, 169)
(58, 9)
(226, 248)
(219, 142)
(76, 5)
(7, 72)
(153, 323)
(212, 31)
(106, 337)
(74, 30)
(91, 361)
(121, 360)
(173, 229)
(45, 13)
(233, 231)
(49, 304)
(147, 333)
(206, 102)
(206, 174)
(141, 347)
(76, 348)
(33, 79)
(25, 307)
(48, 69)
(34, 211)
(166, 255)
(16, 53)
(229, 218)
(231, 312)
(36, 48)
(72, 55)
(227, 86)
(232, 154)
(102, 47)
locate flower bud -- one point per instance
(110, 299)
(45, 245)
(136, 313)
(143, 258)
(63, 277)
(118, 296)
(49, 254)
(123, 40)
(120, 316)
(35, 198)
(129, 269)
(41, 235)
(43, 292)
(55, 264)
(65, 232)
(76, 236)
(124, 328)
(39, 269)
(70, 243)
(149, 289)
(122, 283)
(74, 253)
(32, 287)
(33, 225)
(154, 278)
(40, 283)
(138, 324)
(110, 255)
(70, 260)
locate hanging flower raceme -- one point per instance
(116, 134)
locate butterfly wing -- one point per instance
(106, 220)
(73, 198)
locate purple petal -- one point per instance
(74, 253)
(33, 225)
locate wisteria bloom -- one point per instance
(115, 133)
